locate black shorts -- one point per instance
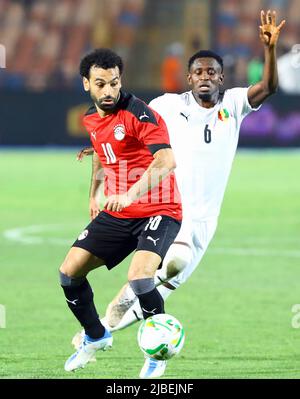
(113, 239)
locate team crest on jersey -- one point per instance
(223, 115)
(119, 132)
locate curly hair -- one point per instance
(205, 54)
(101, 58)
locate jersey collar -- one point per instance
(191, 102)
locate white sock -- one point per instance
(134, 313)
(105, 323)
(164, 291)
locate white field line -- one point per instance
(31, 235)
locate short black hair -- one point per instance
(101, 58)
(205, 54)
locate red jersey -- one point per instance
(125, 142)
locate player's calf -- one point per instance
(150, 300)
(78, 292)
(119, 306)
(141, 279)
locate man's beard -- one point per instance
(205, 97)
(106, 107)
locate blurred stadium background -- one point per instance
(45, 40)
(241, 324)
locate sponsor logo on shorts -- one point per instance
(83, 235)
(119, 132)
(152, 239)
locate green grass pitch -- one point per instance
(236, 308)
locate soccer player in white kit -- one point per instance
(204, 126)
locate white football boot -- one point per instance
(87, 351)
(79, 336)
(153, 368)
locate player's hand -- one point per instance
(117, 203)
(84, 152)
(94, 208)
(268, 31)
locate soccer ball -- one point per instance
(161, 336)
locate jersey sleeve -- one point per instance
(88, 121)
(162, 104)
(240, 102)
(151, 130)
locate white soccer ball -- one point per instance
(161, 336)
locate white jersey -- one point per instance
(204, 141)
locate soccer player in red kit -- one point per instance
(143, 208)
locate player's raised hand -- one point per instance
(269, 32)
(84, 152)
(117, 203)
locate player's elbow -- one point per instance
(270, 88)
(170, 162)
(274, 89)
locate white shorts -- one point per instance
(197, 235)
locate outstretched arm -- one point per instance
(84, 152)
(269, 34)
(96, 181)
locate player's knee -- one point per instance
(68, 272)
(140, 271)
(73, 264)
(138, 274)
(66, 268)
(143, 265)
(69, 281)
(176, 261)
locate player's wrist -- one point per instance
(131, 196)
(134, 193)
(269, 47)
